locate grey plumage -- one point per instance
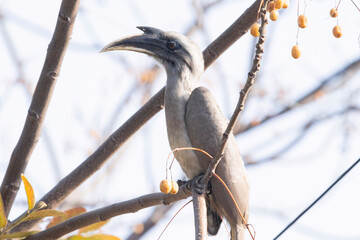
(194, 119)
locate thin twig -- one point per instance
(355, 5)
(168, 224)
(242, 98)
(303, 133)
(40, 102)
(200, 219)
(308, 96)
(237, 207)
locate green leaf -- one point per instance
(17, 235)
(29, 192)
(3, 219)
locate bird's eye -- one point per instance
(172, 45)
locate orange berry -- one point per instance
(254, 30)
(174, 187)
(286, 4)
(337, 31)
(295, 52)
(165, 186)
(302, 21)
(333, 12)
(274, 15)
(271, 6)
(279, 4)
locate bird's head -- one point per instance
(173, 50)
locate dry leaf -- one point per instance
(93, 227)
(3, 219)
(94, 237)
(29, 192)
(68, 214)
(17, 235)
(75, 211)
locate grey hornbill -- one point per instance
(194, 119)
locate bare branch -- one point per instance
(200, 218)
(307, 97)
(40, 102)
(105, 213)
(303, 133)
(13, 52)
(242, 98)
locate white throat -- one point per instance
(177, 93)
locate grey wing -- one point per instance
(205, 124)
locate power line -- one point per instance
(322, 195)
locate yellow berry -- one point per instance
(302, 21)
(174, 187)
(274, 15)
(279, 4)
(271, 6)
(254, 30)
(165, 186)
(337, 31)
(286, 4)
(295, 52)
(333, 12)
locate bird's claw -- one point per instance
(198, 186)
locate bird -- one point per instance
(194, 119)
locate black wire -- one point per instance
(313, 203)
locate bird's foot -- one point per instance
(199, 187)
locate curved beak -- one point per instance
(148, 43)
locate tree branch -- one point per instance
(200, 218)
(232, 34)
(108, 212)
(40, 102)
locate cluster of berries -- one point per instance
(272, 8)
(167, 186)
(275, 5)
(337, 29)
